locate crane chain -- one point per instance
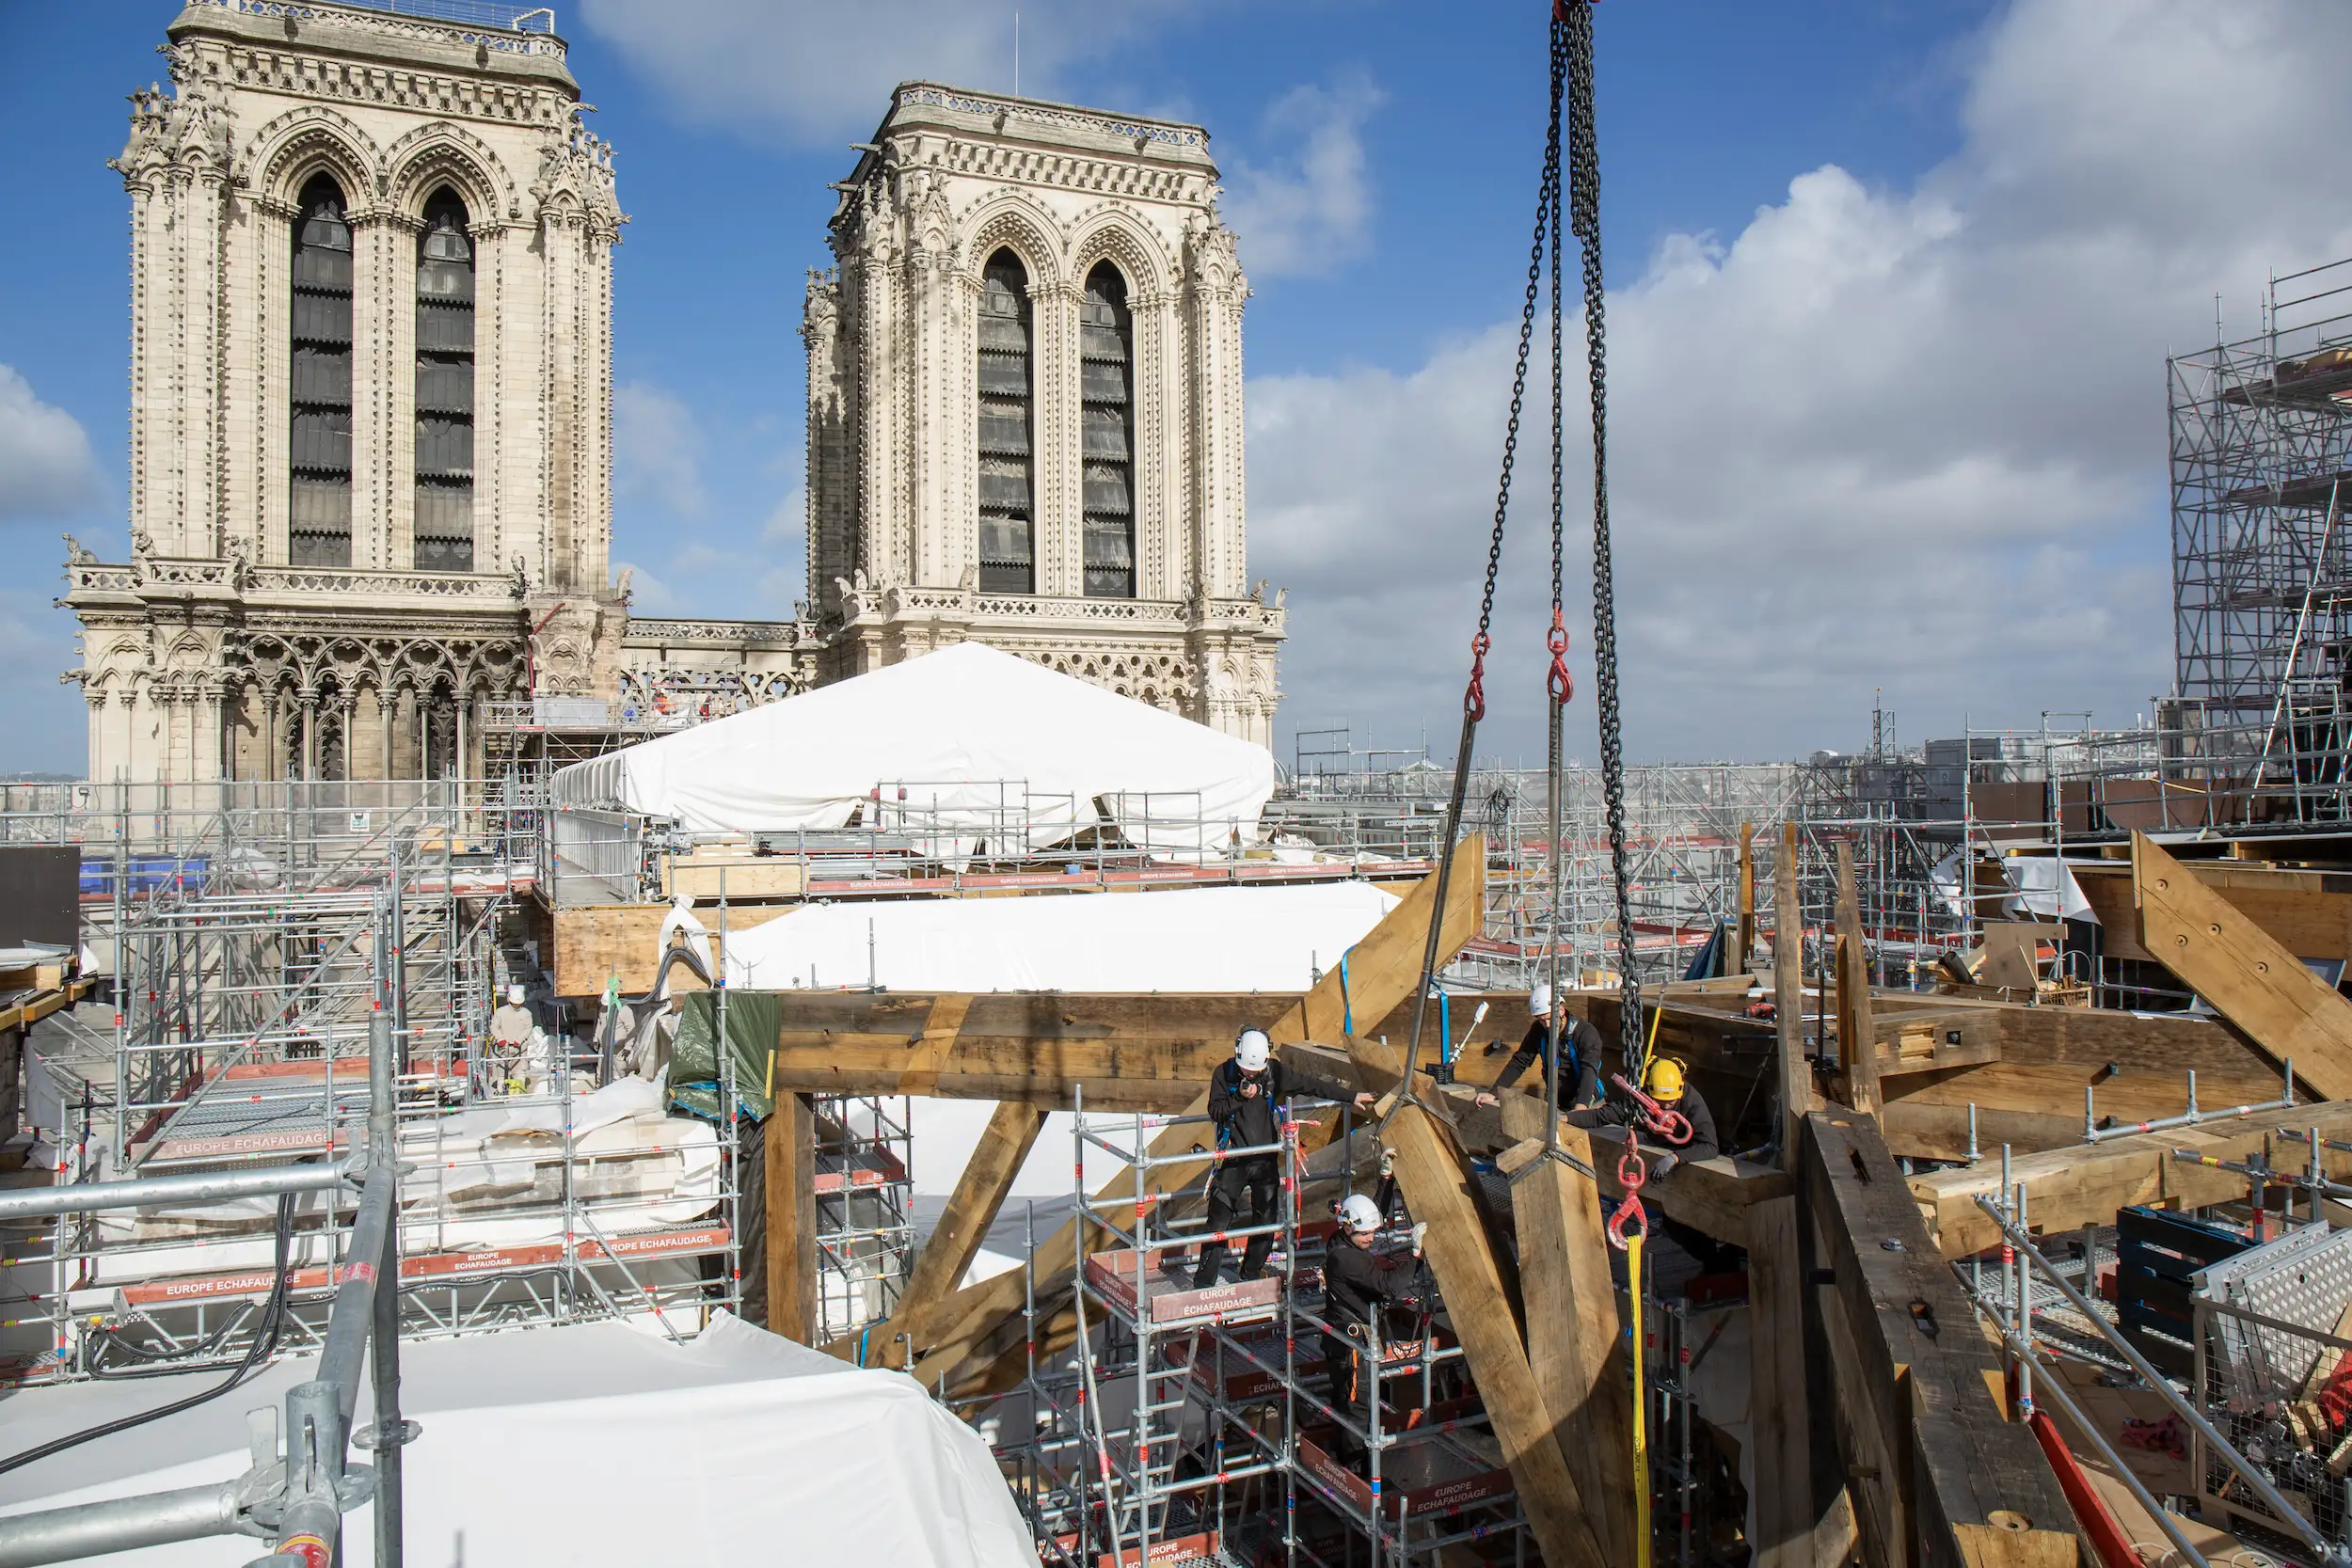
(1583, 186)
(1473, 706)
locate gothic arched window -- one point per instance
(1008, 549)
(444, 511)
(318, 531)
(1106, 388)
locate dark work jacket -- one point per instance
(1579, 1061)
(1247, 1122)
(1619, 1112)
(1355, 1279)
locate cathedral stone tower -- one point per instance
(371, 351)
(1024, 418)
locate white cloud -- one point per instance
(657, 450)
(1309, 207)
(820, 71)
(47, 472)
(1909, 438)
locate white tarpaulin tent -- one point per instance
(954, 727)
(1215, 939)
(1226, 939)
(590, 1446)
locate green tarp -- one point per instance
(754, 1020)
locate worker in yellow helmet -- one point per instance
(1622, 1116)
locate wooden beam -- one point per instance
(2069, 1188)
(1779, 1402)
(1572, 1324)
(1915, 1377)
(1383, 969)
(2032, 1107)
(1794, 1078)
(789, 1169)
(1857, 1041)
(988, 1175)
(1128, 1053)
(1430, 1172)
(2243, 971)
(2309, 913)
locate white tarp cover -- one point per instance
(589, 1446)
(953, 726)
(1216, 938)
(1224, 939)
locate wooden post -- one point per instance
(1438, 1192)
(1780, 1398)
(1012, 1130)
(1796, 1079)
(1743, 934)
(1572, 1324)
(1941, 1479)
(791, 1168)
(1857, 1047)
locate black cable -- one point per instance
(167, 1360)
(264, 1341)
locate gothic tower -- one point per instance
(371, 361)
(1025, 396)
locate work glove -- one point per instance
(1662, 1162)
(1420, 1229)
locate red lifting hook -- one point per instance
(1560, 683)
(1631, 1173)
(1474, 700)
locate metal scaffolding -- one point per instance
(864, 1209)
(1682, 827)
(2262, 457)
(249, 931)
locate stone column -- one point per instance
(1164, 556)
(1053, 418)
(376, 239)
(100, 749)
(397, 294)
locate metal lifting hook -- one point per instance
(1631, 1173)
(1559, 682)
(1474, 700)
(1673, 1126)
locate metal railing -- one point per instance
(295, 1500)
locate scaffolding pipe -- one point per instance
(157, 1191)
(2186, 1409)
(90, 1529)
(318, 1486)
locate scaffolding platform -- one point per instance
(1168, 1298)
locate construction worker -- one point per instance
(1579, 1052)
(1622, 1116)
(1358, 1282)
(1244, 1097)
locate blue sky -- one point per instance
(1894, 283)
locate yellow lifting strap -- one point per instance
(1641, 1408)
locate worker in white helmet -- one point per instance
(1579, 1081)
(1245, 1097)
(1358, 1282)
